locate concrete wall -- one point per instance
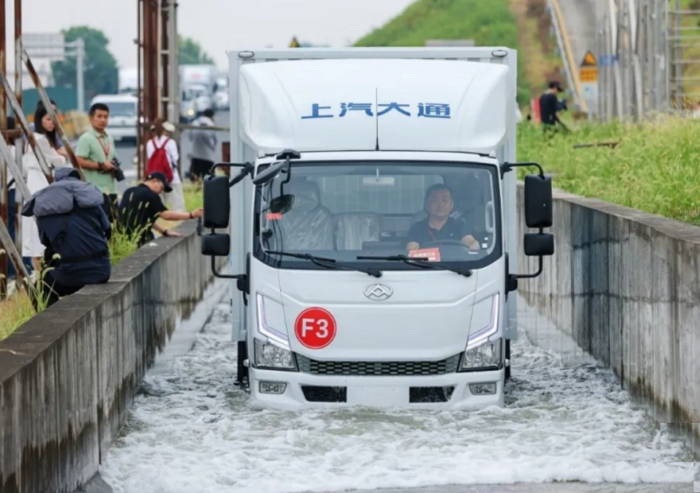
(625, 285)
(68, 376)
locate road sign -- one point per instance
(294, 43)
(589, 60)
(315, 328)
(50, 46)
(589, 68)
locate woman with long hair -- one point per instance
(47, 143)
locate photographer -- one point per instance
(550, 105)
(97, 157)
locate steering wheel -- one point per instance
(448, 242)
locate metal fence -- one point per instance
(649, 57)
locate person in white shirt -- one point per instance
(204, 144)
(175, 200)
(47, 142)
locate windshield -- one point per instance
(387, 211)
(122, 109)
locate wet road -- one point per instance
(567, 428)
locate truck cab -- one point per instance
(371, 226)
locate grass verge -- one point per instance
(655, 168)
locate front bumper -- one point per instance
(376, 391)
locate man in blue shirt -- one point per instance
(439, 226)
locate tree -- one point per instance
(191, 53)
(101, 73)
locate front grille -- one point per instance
(378, 368)
(430, 395)
(325, 394)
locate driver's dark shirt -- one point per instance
(423, 234)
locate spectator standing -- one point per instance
(74, 231)
(45, 136)
(96, 156)
(204, 146)
(32, 126)
(141, 206)
(161, 141)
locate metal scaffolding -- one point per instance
(11, 250)
(649, 58)
(684, 53)
(158, 69)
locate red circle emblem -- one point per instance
(315, 328)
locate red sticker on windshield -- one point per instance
(430, 254)
(273, 216)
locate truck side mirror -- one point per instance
(539, 244)
(216, 245)
(538, 201)
(217, 202)
(282, 204)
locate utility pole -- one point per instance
(80, 73)
(157, 44)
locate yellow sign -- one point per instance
(589, 60)
(294, 43)
(589, 74)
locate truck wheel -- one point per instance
(508, 360)
(242, 373)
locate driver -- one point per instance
(439, 226)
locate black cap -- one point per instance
(161, 178)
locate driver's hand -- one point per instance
(471, 242)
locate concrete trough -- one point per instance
(625, 285)
(69, 375)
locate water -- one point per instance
(193, 431)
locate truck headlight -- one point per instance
(481, 353)
(272, 357)
(486, 321)
(488, 356)
(275, 352)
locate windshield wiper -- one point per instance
(419, 262)
(328, 263)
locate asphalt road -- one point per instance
(127, 152)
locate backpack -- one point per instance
(158, 162)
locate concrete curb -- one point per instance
(69, 375)
(625, 285)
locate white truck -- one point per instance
(373, 237)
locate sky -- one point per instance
(219, 25)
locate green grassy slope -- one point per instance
(488, 22)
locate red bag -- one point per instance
(158, 162)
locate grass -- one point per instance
(18, 309)
(655, 168)
(489, 23)
(14, 311)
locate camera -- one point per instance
(118, 173)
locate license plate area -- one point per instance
(377, 396)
